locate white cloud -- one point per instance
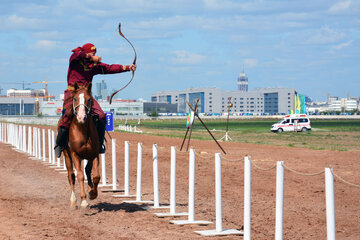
(340, 46)
(185, 57)
(45, 45)
(15, 22)
(340, 7)
(250, 62)
(325, 35)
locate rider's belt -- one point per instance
(71, 88)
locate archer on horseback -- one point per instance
(83, 65)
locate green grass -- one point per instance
(335, 135)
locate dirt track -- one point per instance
(34, 198)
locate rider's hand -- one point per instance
(133, 67)
(96, 58)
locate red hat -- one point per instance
(87, 48)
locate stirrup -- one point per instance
(58, 149)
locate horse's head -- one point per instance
(82, 102)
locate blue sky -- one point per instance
(312, 46)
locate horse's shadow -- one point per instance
(110, 207)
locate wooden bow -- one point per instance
(134, 62)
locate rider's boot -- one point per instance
(61, 141)
(100, 126)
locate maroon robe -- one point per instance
(81, 71)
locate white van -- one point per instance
(292, 123)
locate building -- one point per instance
(118, 107)
(214, 100)
(343, 104)
(242, 82)
(101, 91)
(18, 106)
(25, 93)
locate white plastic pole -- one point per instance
(191, 216)
(30, 141)
(139, 173)
(156, 176)
(6, 133)
(44, 145)
(126, 169)
(34, 142)
(218, 192)
(39, 143)
(49, 144)
(19, 136)
(279, 200)
(330, 205)
(247, 198)
(85, 163)
(173, 181)
(24, 138)
(53, 146)
(103, 169)
(114, 163)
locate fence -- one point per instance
(31, 140)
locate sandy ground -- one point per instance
(34, 198)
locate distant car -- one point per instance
(292, 123)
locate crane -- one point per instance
(46, 97)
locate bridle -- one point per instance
(82, 103)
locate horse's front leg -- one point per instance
(71, 178)
(95, 178)
(80, 177)
(88, 170)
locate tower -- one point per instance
(242, 82)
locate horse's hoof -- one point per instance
(73, 208)
(84, 205)
(93, 195)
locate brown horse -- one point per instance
(83, 144)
